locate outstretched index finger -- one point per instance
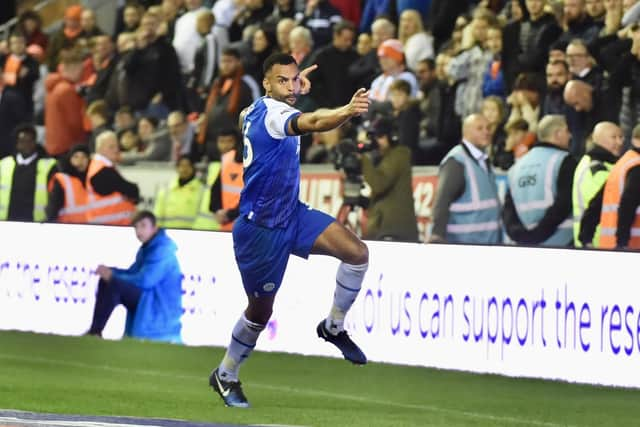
(307, 70)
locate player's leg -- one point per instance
(262, 256)
(319, 233)
(341, 243)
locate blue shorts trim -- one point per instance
(262, 253)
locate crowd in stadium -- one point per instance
(169, 81)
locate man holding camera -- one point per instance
(391, 215)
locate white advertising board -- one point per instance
(545, 313)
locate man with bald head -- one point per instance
(581, 116)
(537, 207)
(467, 208)
(589, 179)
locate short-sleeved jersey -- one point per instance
(271, 164)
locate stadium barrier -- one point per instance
(524, 312)
(320, 187)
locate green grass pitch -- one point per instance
(89, 376)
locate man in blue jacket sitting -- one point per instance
(151, 289)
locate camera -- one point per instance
(347, 160)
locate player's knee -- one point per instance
(258, 314)
(359, 255)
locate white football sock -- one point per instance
(243, 339)
(348, 283)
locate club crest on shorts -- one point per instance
(268, 287)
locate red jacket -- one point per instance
(64, 114)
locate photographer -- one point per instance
(391, 214)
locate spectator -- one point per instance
(429, 103)
(88, 24)
(557, 78)
(537, 208)
(578, 24)
(124, 119)
(65, 37)
(367, 67)
(519, 141)
(30, 24)
(24, 177)
(320, 17)
(525, 100)
(12, 111)
(301, 47)
(98, 115)
(64, 107)
(104, 63)
(406, 116)
(467, 208)
(152, 71)
(21, 70)
(442, 16)
(417, 44)
(329, 87)
(220, 206)
(493, 79)
(129, 19)
(619, 218)
(583, 113)
(186, 38)
(589, 181)
(363, 44)
(468, 67)
(390, 215)
(183, 135)
(154, 142)
(526, 43)
(263, 44)
(150, 288)
(254, 12)
(493, 110)
(115, 198)
(176, 204)
(205, 61)
(282, 10)
(581, 65)
(283, 30)
(391, 60)
(68, 198)
(229, 95)
(595, 9)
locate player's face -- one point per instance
(282, 83)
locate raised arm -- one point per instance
(326, 119)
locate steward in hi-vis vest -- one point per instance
(177, 204)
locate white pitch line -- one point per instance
(430, 408)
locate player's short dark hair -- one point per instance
(277, 58)
(140, 215)
(27, 128)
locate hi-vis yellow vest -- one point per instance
(177, 206)
(40, 196)
(205, 219)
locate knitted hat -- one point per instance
(391, 48)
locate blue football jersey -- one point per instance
(271, 164)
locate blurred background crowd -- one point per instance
(168, 81)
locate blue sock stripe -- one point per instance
(240, 342)
(347, 288)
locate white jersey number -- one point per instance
(247, 155)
